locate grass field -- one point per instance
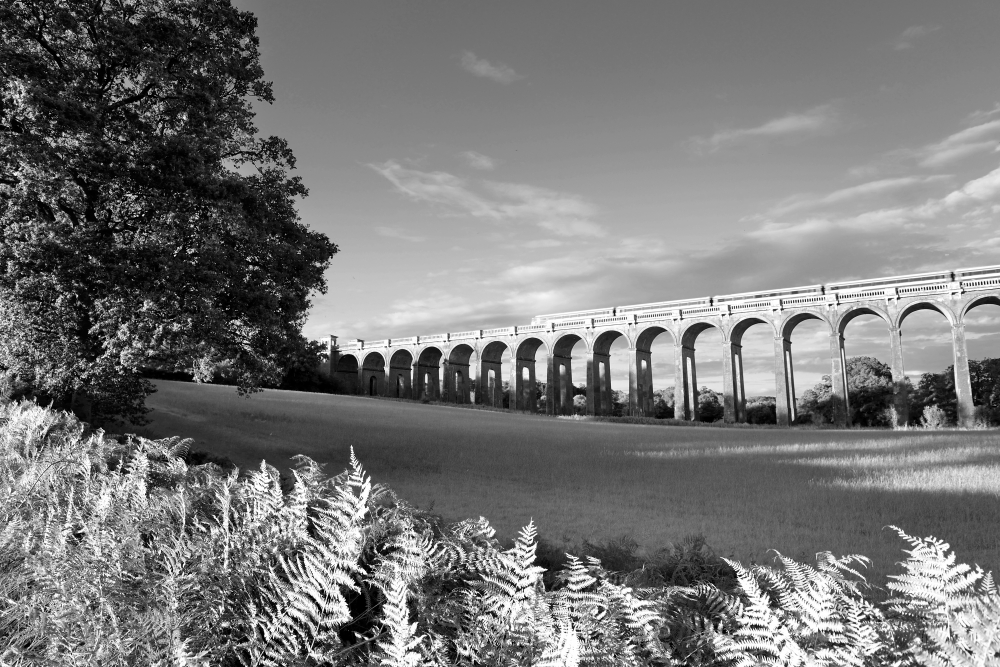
(746, 490)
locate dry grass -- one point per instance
(746, 490)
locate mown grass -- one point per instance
(746, 490)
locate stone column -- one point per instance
(685, 384)
(524, 389)
(447, 383)
(782, 394)
(741, 392)
(598, 388)
(417, 383)
(647, 381)
(636, 391)
(492, 397)
(608, 398)
(838, 378)
(560, 386)
(963, 380)
(730, 392)
(900, 390)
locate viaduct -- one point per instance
(438, 366)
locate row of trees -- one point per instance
(871, 392)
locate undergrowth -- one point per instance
(125, 551)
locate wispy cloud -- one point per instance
(560, 213)
(481, 67)
(856, 194)
(818, 120)
(909, 36)
(977, 117)
(977, 139)
(398, 233)
(479, 161)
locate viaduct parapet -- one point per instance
(438, 366)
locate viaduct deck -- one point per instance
(438, 365)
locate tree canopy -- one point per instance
(143, 221)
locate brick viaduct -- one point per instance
(438, 366)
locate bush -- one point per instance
(934, 417)
(115, 551)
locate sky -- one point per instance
(482, 163)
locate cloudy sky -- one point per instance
(482, 163)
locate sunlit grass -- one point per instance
(746, 490)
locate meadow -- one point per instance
(746, 490)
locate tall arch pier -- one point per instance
(465, 366)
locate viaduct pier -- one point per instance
(438, 366)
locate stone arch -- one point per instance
(645, 337)
(559, 392)
(346, 372)
(686, 384)
(427, 373)
(690, 333)
(854, 312)
(458, 382)
(491, 373)
(740, 327)
(373, 374)
(913, 307)
(788, 324)
(604, 339)
(986, 299)
(641, 386)
(525, 381)
(600, 397)
(398, 381)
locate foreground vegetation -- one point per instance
(116, 551)
(746, 490)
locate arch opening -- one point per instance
(981, 321)
(458, 384)
(865, 382)
(608, 375)
(427, 375)
(568, 394)
(346, 372)
(700, 378)
(926, 346)
(400, 373)
(752, 395)
(531, 379)
(373, 374)
(656, 374)
(494, 361)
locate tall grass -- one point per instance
(746, 490)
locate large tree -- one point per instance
(143, 221)
(870, 390)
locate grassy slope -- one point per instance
(797, 491)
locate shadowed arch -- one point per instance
(604, 340)
(563, 345)
(458, 380)
(788, 325)
(373, 374)
(346, 372)
(374, 361)
(400, 372)
(491, 373)
(988, 299)
(559, 391)
(427, 373)
(911, 308)
(525, 381)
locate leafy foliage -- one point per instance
(143, 222)
(119, 551)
